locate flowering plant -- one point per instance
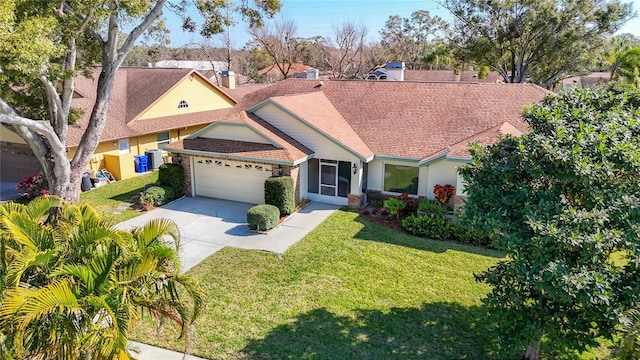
(443, 193)
(33, 186)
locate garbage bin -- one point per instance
(155, 158)
(86, 182)
(140, 162)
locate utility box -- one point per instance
(155, 158)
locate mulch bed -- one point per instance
(381, 217)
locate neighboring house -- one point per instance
(149, 108)
(393, 71)
(340, 140)
(594, 78)
(273, 73)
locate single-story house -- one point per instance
(149, 108)
(340, 140)
(273, 73)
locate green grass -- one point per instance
(106, 199)
(349, 290)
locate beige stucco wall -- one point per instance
(10, 136)
(442, 172)
(376, 174)
(237, 132)
(439, 172)
(137, 146)
(198, 93)
(322, 147)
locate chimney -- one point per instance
(229, 79)
(395, 70)
(313, 74)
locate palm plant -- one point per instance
(71, 285)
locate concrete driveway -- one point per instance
(207, 225)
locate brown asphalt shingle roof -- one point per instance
(232, 147)
(318, 111)
(134, 90)
(288, 149)
(461, 149)
(407, 119)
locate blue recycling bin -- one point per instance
(141, 162)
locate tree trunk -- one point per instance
(533, 351)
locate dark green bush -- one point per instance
(394, 206)
(437, 227)
(172, 175)
(431, 226)
(263, 217)
(470, 236)
(280, 192)
(431, 207)
(157, 195)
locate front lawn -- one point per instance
(114, 200)
(349, 290)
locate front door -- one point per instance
(328, 177)
(329, 181)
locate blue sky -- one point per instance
(319, 17)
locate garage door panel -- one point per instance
(17, 161)
(238, 181)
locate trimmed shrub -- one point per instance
(394, 206)
(471, 236)
(172, 175)
(263, 217)
(279, 192)
(431, 207)
(157, 195)
(437, 227)
(431, 226)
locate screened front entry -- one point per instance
(329, 178)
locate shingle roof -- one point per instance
(461, 149)
(232, 147)
(134, 90)
(318, 111)
(240, 91)
(288, 150)
(408, 119)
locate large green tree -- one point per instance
(414, 40)
(71, 285)
(44, 44)
(541, 41)
(563, 202)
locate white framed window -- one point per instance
(123, 146)
(163, 138)
(401, 179)
(183, 104)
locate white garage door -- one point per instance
(230, 180)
